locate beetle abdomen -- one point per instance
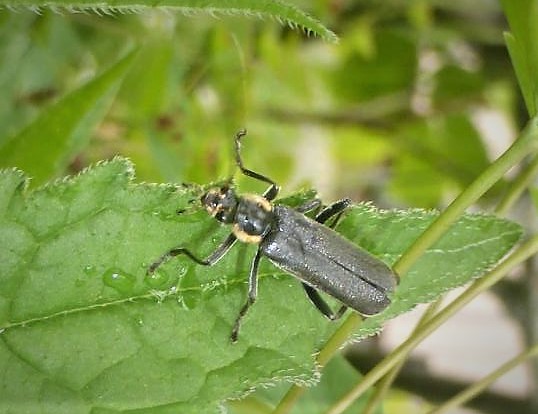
(327, 261)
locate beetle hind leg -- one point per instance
(313, 205)
(322, 306)
(334, 210)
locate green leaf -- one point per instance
(523, 47)
(147, 83)
(46, 146)
(83, 328)
(337, 379)
(275, 9)
(534, 196)
(439, 151)
(472, 245)
(457, 85)
(394, 63)
(416, 182)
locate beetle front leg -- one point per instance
(252, 295)
(209, 261)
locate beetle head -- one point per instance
(221, 203)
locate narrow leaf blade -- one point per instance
(46, 146)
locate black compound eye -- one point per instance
(208, 200)
(222, 216)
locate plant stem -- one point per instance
(524, 145)
(339, 338)
(334, 343)
(490, 176)
(522, 253)
(248, 405)
(384, 385)
(516, 188)
(479, 386)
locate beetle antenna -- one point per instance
(238, 136)
(272, 191)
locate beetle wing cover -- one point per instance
(324, 259)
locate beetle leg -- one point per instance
(269, 194)
(209, 261)
(335, 209)
(311, 205)
(252, 294)
(322, 306)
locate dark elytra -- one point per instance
(314, 253)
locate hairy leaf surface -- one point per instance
(83, 329)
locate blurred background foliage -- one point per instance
(397, 112)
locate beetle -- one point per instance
(314, 253)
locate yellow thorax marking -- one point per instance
(244, 236)
(241, 234)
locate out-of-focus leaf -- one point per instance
(47, 145)
(522, 44)
(449, 147)
(146, 84)
(390, 69)
(454, 84)
(534, 195)
(416, 182)
(40, 57)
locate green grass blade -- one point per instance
(46, 146)
(523, 47)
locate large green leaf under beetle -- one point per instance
(84, 330)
